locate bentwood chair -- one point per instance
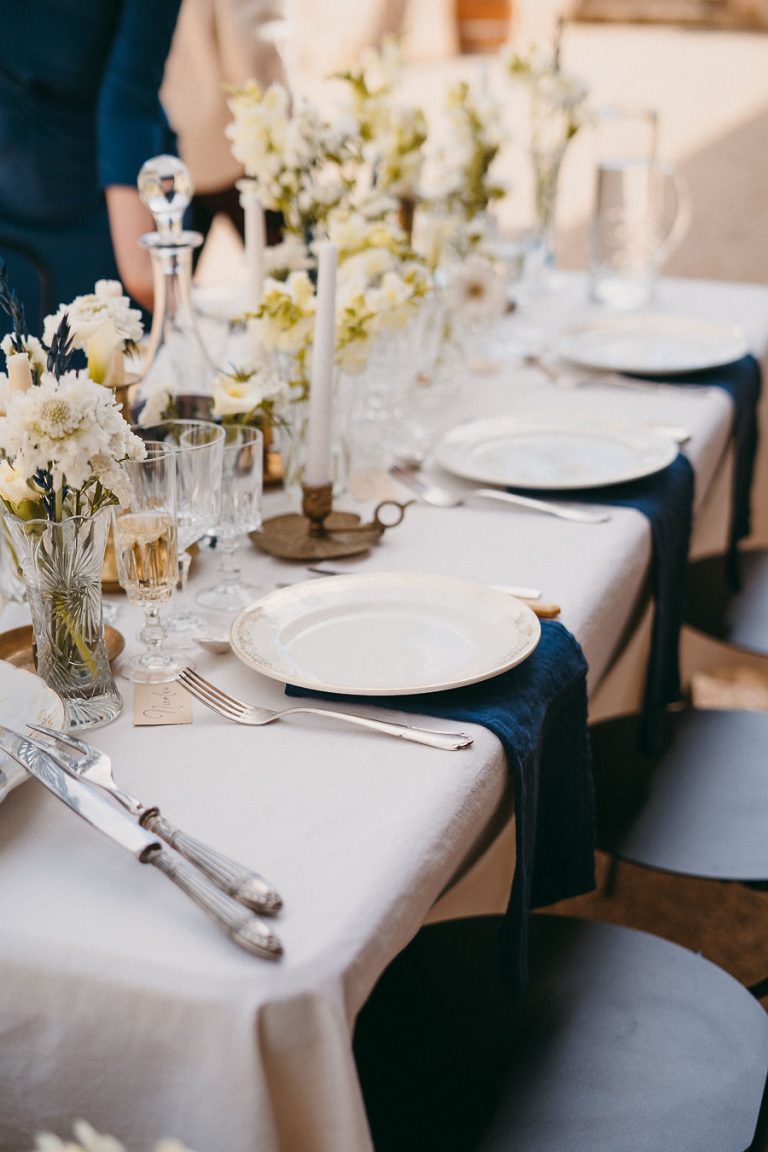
(623, 1042)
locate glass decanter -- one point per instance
(176, 359)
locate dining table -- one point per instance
(121, 1003)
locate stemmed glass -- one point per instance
(147, 567)
(197, 449)
(242, 473)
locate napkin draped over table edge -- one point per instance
(742, 380)
(539, 712)
(666, 500)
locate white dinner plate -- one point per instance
(649, 344)
(388, 634)
(24, 698)
(552, 454)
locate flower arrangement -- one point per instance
(379, 283)
(393, 134)
(464, 182)
(296, 157)
(251, 396)
(558, 111)
(63, 437)
(102, 324)
(63, 441)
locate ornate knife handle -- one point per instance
(249, 888)
(240, 925)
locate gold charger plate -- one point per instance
(16, 646)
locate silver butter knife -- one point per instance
(518, 591)
(240, 925)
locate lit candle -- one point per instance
(317, 468)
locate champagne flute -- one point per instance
(242, 473)
(197, 449)
(145, 546)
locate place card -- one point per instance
(161, 704)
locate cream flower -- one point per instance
(71, 432)
(238, 394)
(477, 291)
(99, 322)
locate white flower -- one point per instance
(287, 313)
(477, 291)
(235, 394)
(158, 404)
(13, 485)
(291, 255)
(72, 431)
(99, 322)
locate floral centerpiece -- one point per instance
(296, 158)
(463, 180)
(393, 134)
(63, 440)
(102, 324)
(557, 112)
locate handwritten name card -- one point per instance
(161, 704)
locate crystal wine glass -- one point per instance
(197, 447)
(147, 566)
(242, 473)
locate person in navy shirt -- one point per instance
(79, 115)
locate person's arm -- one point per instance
(131, 128)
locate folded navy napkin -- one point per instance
(742, 381)
(539, 712)
(666, 499)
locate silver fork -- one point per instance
(248, 888)
(442, 498)
(233, 709)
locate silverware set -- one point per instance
(77, 773)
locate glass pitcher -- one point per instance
(640, 212)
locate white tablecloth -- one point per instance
(119, 1001)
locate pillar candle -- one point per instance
(19, 372)
(317, 468)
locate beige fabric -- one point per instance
(217, 43)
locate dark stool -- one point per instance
(623, 1042)
(698, 809)
(738, 618)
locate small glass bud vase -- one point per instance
(61, 563)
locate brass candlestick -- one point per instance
(322, 534)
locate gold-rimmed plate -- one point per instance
(16, 646)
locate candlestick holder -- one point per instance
(319, 533)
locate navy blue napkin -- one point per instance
(539, 712)
(666, 499)
(742, 381)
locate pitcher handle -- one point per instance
(681, 217)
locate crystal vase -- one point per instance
(61, 564)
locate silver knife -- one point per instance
(515, 590)
(240, 925)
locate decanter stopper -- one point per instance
(165, 186)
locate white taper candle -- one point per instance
(255, 241)
(19, 372)
(317, 468)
